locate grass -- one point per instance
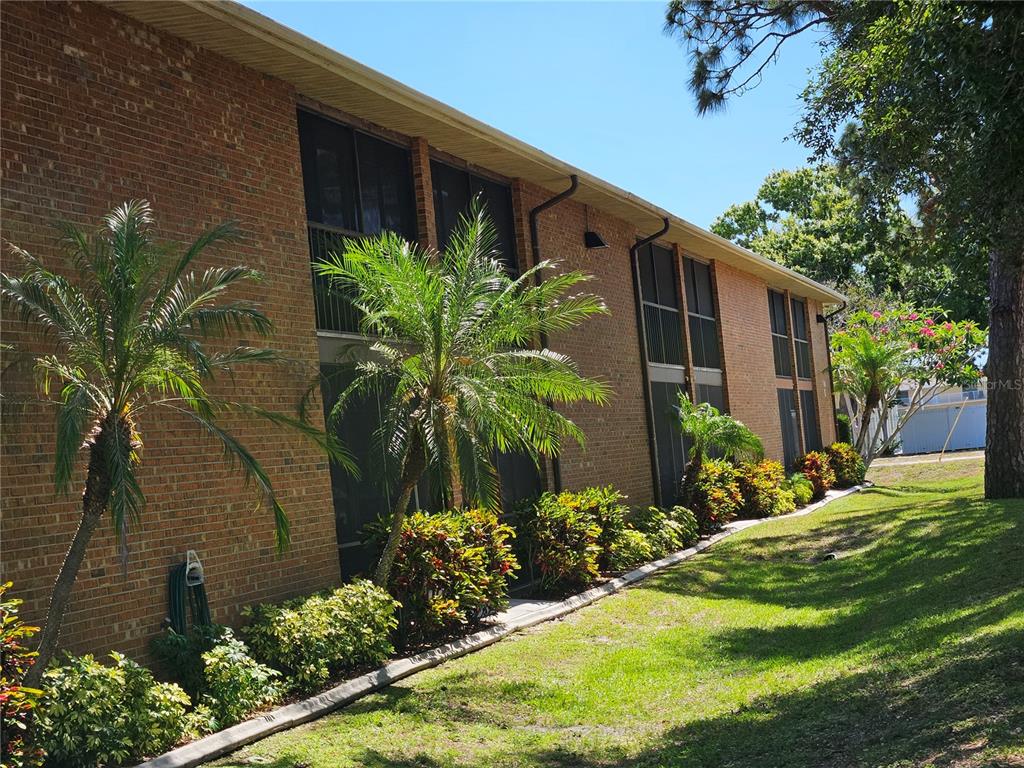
(906, 650)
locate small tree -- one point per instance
(876, 354)
(450, 361)
(128, 336)
(709, 430)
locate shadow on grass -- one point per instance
(928, 590)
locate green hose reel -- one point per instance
(186, 586)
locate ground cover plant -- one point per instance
(903, 651)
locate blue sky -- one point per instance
(596, 84)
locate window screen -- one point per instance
(455, 188)
(801, 340)
(812, 434)
(780, 334)
(668, 439)
(790, 429)
(702, 318)
(658, 282)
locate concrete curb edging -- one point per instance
(230, 739)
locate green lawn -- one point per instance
(907, 650)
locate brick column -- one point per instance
(801, 438)
(721, 338)
(684, 320)
(426, 224)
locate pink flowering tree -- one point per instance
(877, 353)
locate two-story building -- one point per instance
(213, 112)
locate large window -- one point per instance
(790, 426)
(354, 184)
(700, 307)
(455, 188)
(668, 439)
(812, 434)
(780, 334)
(801, 339)
(659, 294)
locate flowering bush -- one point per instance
(875, 354)
(234, 685)
(762, 486)
(311, 638)
(816, 468)
(451, 569)
(846, 463)
(561, 541)
(94, 714)
(16, 702)
(667, 530)
(716, 498)
(800, 487)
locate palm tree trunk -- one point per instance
(94, 504)
(690, 473)
(412, 471)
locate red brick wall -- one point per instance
(605, 347)
(747, 354)
(98, 109)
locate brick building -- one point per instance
(214, 112)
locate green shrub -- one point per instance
(667, 530)
(234, 684)
(180, 657)
(17, 703)
(311, 638)
(606, 507)
(847, 464)
(801, 488)
(816, 468)
(716, 497)
(844, 430)
(561, 539)
(451, 569)
(761, 484)
(631, 548)
(95, 714)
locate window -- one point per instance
(700, 308)
(354, 184)
(812, 435)
(780, 334)
(668, 438)
(790, 429)
(657, 267)
(712, 394)
(455, 188)
(801, 339)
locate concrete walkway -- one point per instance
(926, 458)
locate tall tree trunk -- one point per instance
(1004, 440)
(94, 504)
(412, 471)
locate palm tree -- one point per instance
(128, 336)
(451, 362)
(710, 430)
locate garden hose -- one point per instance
(178, 594)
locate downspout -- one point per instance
(574, 183)
(642, 329)
(823, 319)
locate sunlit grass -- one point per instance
(906, 650)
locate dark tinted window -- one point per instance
(712, 394)
(699, 295)
(455, 188)
(812, 435)
(790, 429)
(801, 340)
(354, 181)
(780, 334)
(658, 290)
(700, 306)
(668, 439)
